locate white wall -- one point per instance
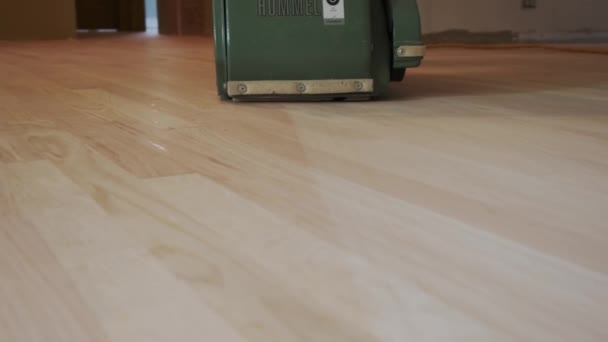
(550, 16)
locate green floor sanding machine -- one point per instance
(314, 49)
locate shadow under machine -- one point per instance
(314, 49)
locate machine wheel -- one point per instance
(397, 75)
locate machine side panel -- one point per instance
(295, 40)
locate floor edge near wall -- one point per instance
(506, 37)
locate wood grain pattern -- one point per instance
(471, 205)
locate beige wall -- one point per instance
(551, 16)
(37, 19)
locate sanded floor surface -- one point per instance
(471, 205)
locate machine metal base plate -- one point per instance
(299, 88)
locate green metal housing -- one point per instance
(268, 49)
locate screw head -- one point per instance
(242, 88)
(358, 86)
(301, 87)
(401, 52)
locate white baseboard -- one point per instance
(563, 37)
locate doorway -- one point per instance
(151, 16)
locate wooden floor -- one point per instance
(135, 206)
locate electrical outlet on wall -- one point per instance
(528, 4)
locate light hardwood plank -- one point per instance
(118, 277)
(39, 300)
(470, 205)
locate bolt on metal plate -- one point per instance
(358, 86)
(300, 87)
